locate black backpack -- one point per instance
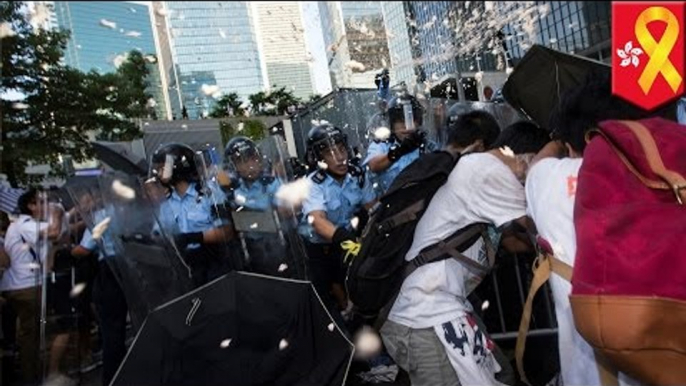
(379, 269)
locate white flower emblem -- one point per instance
(629, 55)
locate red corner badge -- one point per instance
(648, 52)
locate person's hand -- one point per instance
(341, 235)
(182, 240)
(408, 145)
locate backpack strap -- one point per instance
(460, 240)
(450, 248)
(406, 215)
(544, 264)
(671, 180)
(676, 181)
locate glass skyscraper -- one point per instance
(213, 43)
(103, 32)
(355, 35)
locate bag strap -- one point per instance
(457, 241)
(677, 182)
(406, 215)
(450, 248)
(543, 266)
(671, 180)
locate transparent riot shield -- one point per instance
(40, 291)
(136, 248)
(263, 213)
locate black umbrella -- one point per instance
(117, 160)
(542, 76)
(241, 329)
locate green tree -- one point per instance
(251, 128)
(229, 105)
(276, 102)
(58, 106)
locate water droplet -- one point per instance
(225, 343)
(283, 267)
(485, 305)
(77, 289)
(283, 344)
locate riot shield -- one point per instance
(135, 247)
(264, 222)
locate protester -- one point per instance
(550, 193)
(27, 243)
(448, 347)
(339, 191)
(194, 212)
(387, 157)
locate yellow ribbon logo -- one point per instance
(658, 51)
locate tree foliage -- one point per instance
(50, 110)
(251, 128)
(229, 105)
(277, 102)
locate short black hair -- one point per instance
(471, 127)
(523, 137)
(583, 107)
(29, 197)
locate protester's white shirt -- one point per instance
(481, 188)
(22, 237)
(550, 194)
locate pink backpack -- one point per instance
(629, 278)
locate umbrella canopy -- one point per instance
(241, 329)
(118, 160)
(542, 76)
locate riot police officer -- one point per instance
(252, 190)
(339, 189)
(194, 212)
(387, 157)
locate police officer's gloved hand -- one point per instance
(182, 240)
(408, 145)
(341, 235)
(299, 168)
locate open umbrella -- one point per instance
(542, 76)
(241, 329)
(118, 160)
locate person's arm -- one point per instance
(321, 224)
(379, 163)
(515, 238)
(4, 259)
(218, 235)
(554, 149)
(80, 252)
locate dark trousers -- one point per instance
(110, 304)
(26, 304)
(325, 267)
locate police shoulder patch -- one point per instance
(319, 176)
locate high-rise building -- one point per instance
(103, 33)
(357, 45)
(399, 48)
(215, 50)
(282, 43)
(478, 41)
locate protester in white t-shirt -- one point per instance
(483, 188)
(27, 243)
(550, 193)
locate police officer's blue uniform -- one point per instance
(385, 178)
